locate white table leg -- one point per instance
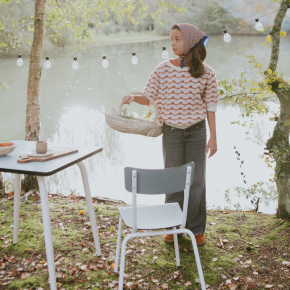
(47, 231)
(17, 188)
(90, 207)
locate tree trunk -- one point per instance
(32, 125)
(279, 143)
(32, 107)
(2, 192)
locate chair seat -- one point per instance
(154, 217)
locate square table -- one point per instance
(9, 163)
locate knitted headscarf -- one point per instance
(192, 38)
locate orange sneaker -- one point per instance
(200, 239)
(168, 238)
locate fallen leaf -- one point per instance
(214, 259)
(25, 275)
(268, 286)
(128, 252)
(286, 263)
(188, 283)
(232, 286)
(81, 212)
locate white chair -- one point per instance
(170, 215)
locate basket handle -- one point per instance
(150, 101)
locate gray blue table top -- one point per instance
(9, 162)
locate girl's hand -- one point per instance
(127, 99)
(212, 146)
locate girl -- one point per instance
(185, 91)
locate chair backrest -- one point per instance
(159, 181)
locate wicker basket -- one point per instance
(8, 149)
(135, 125)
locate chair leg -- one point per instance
(197, 259)
(47, 231)
(122, 264)
(118, 245)
(17, 188)
(176, 249)
(90, 207)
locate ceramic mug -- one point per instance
(41, 147)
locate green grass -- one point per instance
(248, 234)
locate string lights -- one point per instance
(47, 63)
(259, 25)
(19, 61)
(134, 59)
(165, 54)
(75, 64)
(105, 62)
(227, 37)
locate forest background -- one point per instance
(210, 16)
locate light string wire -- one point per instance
(96, 56)
(245, 22)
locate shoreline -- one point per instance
(108, 40)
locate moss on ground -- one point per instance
(242, 250)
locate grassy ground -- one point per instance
(244, 250)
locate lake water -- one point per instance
(73, 103)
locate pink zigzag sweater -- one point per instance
(181, 99)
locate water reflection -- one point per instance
(73, 103)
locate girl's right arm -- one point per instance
(137, 98)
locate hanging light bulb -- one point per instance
(47, 63)
(75, 64)
(105, 62)
(259, 25)
(134, 58)
(19, 61)
(288, 10)
(227, 37)
(165, 53)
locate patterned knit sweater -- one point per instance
(181, 99)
